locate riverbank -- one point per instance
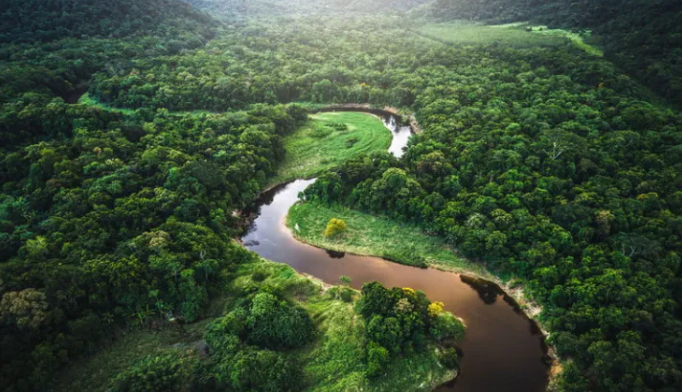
(369, 235)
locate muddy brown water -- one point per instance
(502, 351)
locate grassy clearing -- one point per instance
(467, 33)
(376, 236)
(518, 35)
(87, 100)
(333, 362)
(317, 146)
(578, 39)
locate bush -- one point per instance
(256, 370)
(274, 323)
(377, 360)
(449, 358)
(258, 276)
(337, 126)
(334, 227)
(152, 374)
(351, 141)
(445, 326)
(320, 133)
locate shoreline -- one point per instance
(515, 296)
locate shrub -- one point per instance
(152, 374)
(274, 323)
(346, 294)
(258, 276)
(449, 358)
(334, 227)
(337, 126)
(218, 332)
(350, 142)
(377, 360)
(321, 132)
(446, 326)
(256, 370)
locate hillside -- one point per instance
(47, 20)
(641, 36)
(252, 8)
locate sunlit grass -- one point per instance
(577, 39)
(467, 33)
(376, 236)
(315, 147)
(518, 35)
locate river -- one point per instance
(503, 350)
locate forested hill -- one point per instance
(51, 48)
(644, 37)
(46, 20)
(252, 8)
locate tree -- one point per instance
(275, 323)
(26, 309)
(335, 227)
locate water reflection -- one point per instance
(334, 254)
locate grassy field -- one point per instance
(468, 33)
(376, 236)
(335, 361)
(316, 146)
(518, 35)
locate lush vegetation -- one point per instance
(538, 159)
(328, 140)
(274, 331)
(566, 183)
(642, 36)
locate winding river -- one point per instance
(503, 349)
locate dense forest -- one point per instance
(643, 37)
(542, 162)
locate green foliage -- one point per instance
(277, 324)
(151, 374)
(334, 228)
(258, 370)
(449, 358)
(126, 218)
(569, 196)
(377, 360)
(50, 20)
(541, 160)
(445, 326)
(399, 321)
(643, 37)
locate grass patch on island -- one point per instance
(329, 139)
(375, 236)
